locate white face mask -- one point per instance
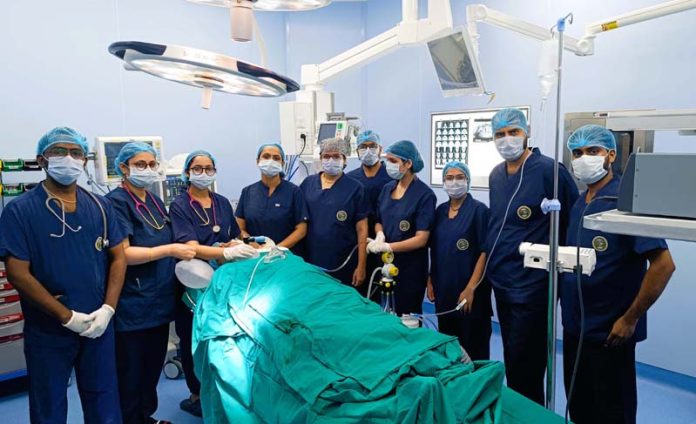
(589, 169)
(143, 178)
(456, 189)
(510, 147)
(270, 167)
(64, 169)
(202, 181)
(368, 156)
(332, 167)
(394, 171)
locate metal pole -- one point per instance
(553, 241)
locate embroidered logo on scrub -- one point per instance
(404, 225)
(341, 215)
(524, 212)
(462, 244)
(600, 244)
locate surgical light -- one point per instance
(199, 68)
(242, 19)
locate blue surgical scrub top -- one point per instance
(274, 216)
(147, 299)
(614, 284)
(333, 215)
(373, 185)
(513, 283)
(401, 219)
(70, 266)
(455, 246)
(188, 226)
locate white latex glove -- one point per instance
(79, 322)
(376, 246)
(380, 237)
(101, 318)
(240, 251)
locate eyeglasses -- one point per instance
(459, 177)
(363, 150)
(198, 170)
(56, 152)
(334, 156)
(141, 165)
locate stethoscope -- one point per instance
(101, 242)
(205, 220)
(139, 204)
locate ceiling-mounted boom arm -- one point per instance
(409, 31)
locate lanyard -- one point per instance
(139, 205)
(205, 220)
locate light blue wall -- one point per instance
(55, 70)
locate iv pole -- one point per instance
(555, 208)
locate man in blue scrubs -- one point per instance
(615, 297)
(372, 174)
(69, 279)
(337, 217)
(405, 217)
(517, 188)
(457, 259)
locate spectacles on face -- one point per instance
(141, 165)
(334, 156)
(59, 152)
(458, 177)
(198, 170)
(363, 149)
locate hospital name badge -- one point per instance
(462, 244)
(404, 225)
(600, 244)
(341, 215)
(524, 212)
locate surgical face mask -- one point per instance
(589, 169)
(143, 178)
(270, 167)
(369, 157)
(456, 189)
(332, 167)
(510, 147)
(394, 171)
(202, 181)
(64, 169)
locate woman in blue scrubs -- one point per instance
(337, 217)
(405, 217)
(148, 298)
(64, 254)
(202, 219)
(273, 207)
(457, 261)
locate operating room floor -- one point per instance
(663, 397)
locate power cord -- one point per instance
(578, 273)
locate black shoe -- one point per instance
(192, 407)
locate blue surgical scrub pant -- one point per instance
(523, 328)
(51, 356)
(140, 355)
(605, 387)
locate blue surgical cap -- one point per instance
(458, 165)
(130, 150)
(61, 135)
(276, 145)
(591, 135)
(509, 118)
(406, 150)
(369, 137)
(191, 157)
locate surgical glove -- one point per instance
(240, 251)
(101, 318)
(380, 237)
(78, 322)
(376, 246)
